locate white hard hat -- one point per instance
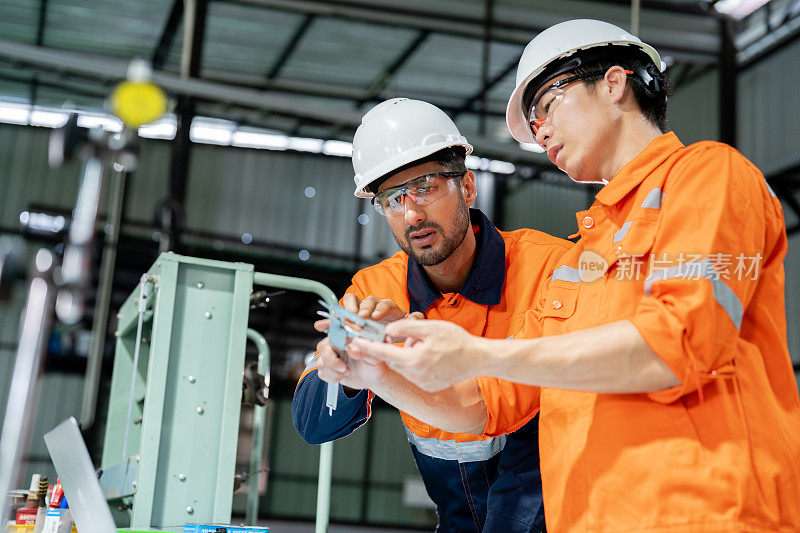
(397, 132)
(557, 42)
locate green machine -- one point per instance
(169, 456)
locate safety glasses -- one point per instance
(541, 110)
(424, 190)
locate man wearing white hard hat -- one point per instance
(668, 400)
(409, 158)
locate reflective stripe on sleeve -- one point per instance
(463, 452)
(723, 294)
(653, 199)
(567, 273)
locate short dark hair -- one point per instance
(651, 87)
(453, 159)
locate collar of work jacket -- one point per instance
(485, 281)
(638, 168)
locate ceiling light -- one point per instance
(160, 129)
(302, 144)
(14, 114)
(48, 119)
(254, 139)
(338, 148)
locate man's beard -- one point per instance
(431, 257)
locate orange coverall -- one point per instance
(688, 244)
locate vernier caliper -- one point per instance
(339, 333)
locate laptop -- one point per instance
(79, 479)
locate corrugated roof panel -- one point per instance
(346, 52)
(469, 126)
(330, 103)
(14, 85)
(501, 57)
(55, 96)
(503, 89)
(19, 20)
(681, 29)
(109, 27)
(244, 38)
(443, 62)
(435, 8)
(453, 64)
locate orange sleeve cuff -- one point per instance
(666, 336)
(509, 406)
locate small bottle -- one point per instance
(32, 502)
(58, 494)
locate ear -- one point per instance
(468, 188)
(615, 81)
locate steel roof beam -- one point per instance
(107, 71)
(161, 51)
(787, 33)
(290, 47)
(383, 79)
(452, 24)
(48, 79)
(486, 57)
(41, 22)
(112, 70)
(195, 14)
(727, 86)
(682, 74)
(115, 69)
(451, 106)
(671, 7)
(40, 27)
(195, 17)
(470, 102)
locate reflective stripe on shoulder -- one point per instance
(723, 294)
(771, 192)
(567, 273)
(653, 199)
(619, 235)
(463, 452)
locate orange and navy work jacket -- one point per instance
(687, 243)
(477, 482)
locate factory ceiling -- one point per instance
(312, 68)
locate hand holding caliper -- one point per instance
(355, 318)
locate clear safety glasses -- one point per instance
(424, 190)
(542, 108)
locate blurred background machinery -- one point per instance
(250, 164)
